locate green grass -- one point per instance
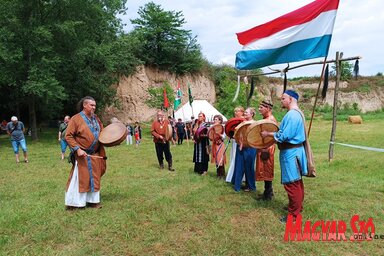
(151, 212)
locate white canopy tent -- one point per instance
(185, 112)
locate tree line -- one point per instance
(54, 52)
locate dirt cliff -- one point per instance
(132, 92)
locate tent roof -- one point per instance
(185, 112)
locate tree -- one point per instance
(155, 99)
(52, 53)
(226, 86)
(164, 43)
(346, 69)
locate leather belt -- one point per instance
(286, 145)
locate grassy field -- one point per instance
(151, 212)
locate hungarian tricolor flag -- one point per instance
(178, 97)
(166, 102)
(302, 34)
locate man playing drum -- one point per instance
(293, 161)
(265, 158)
(160, 132)
(88, 157)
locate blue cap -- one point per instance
(292, 93)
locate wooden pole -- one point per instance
(307, 64)
(317, 95)
(333, 132)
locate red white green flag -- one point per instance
(179, 94)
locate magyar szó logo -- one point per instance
(330, 230)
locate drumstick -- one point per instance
(101, 157)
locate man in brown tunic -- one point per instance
(88, 157)
(161, 136)
(265, 157)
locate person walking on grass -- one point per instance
(87, 155)
(293, 161)
(15, 130)
(62, 130)
(159, 129)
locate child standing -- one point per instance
(137, 130)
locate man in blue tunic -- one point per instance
(293, 162)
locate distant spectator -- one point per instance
(62, 130)
(180, 128)
(137, 133)
(3, 125)
(129, 134)
(15, 130)
(188, 128)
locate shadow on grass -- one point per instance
(114, 196)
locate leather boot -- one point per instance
(220, 172)
(170, 166)
(223, 172)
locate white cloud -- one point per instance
(358, 29)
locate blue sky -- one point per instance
(358, 31)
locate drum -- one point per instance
(231, 124)
(215, 131)
(240, 132)
(113, 134)
(202, 130)
(169, 132)
(254, 138)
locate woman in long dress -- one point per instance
(239, 112)
(200, 149)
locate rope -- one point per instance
(359, 147)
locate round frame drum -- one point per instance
(113, 134)
(216, 129)
(254, 138)
(231, 124)
(169, 133)
(240, 132)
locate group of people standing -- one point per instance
(258, 164)
(134, 132)
(248, 164)
(83, 187)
